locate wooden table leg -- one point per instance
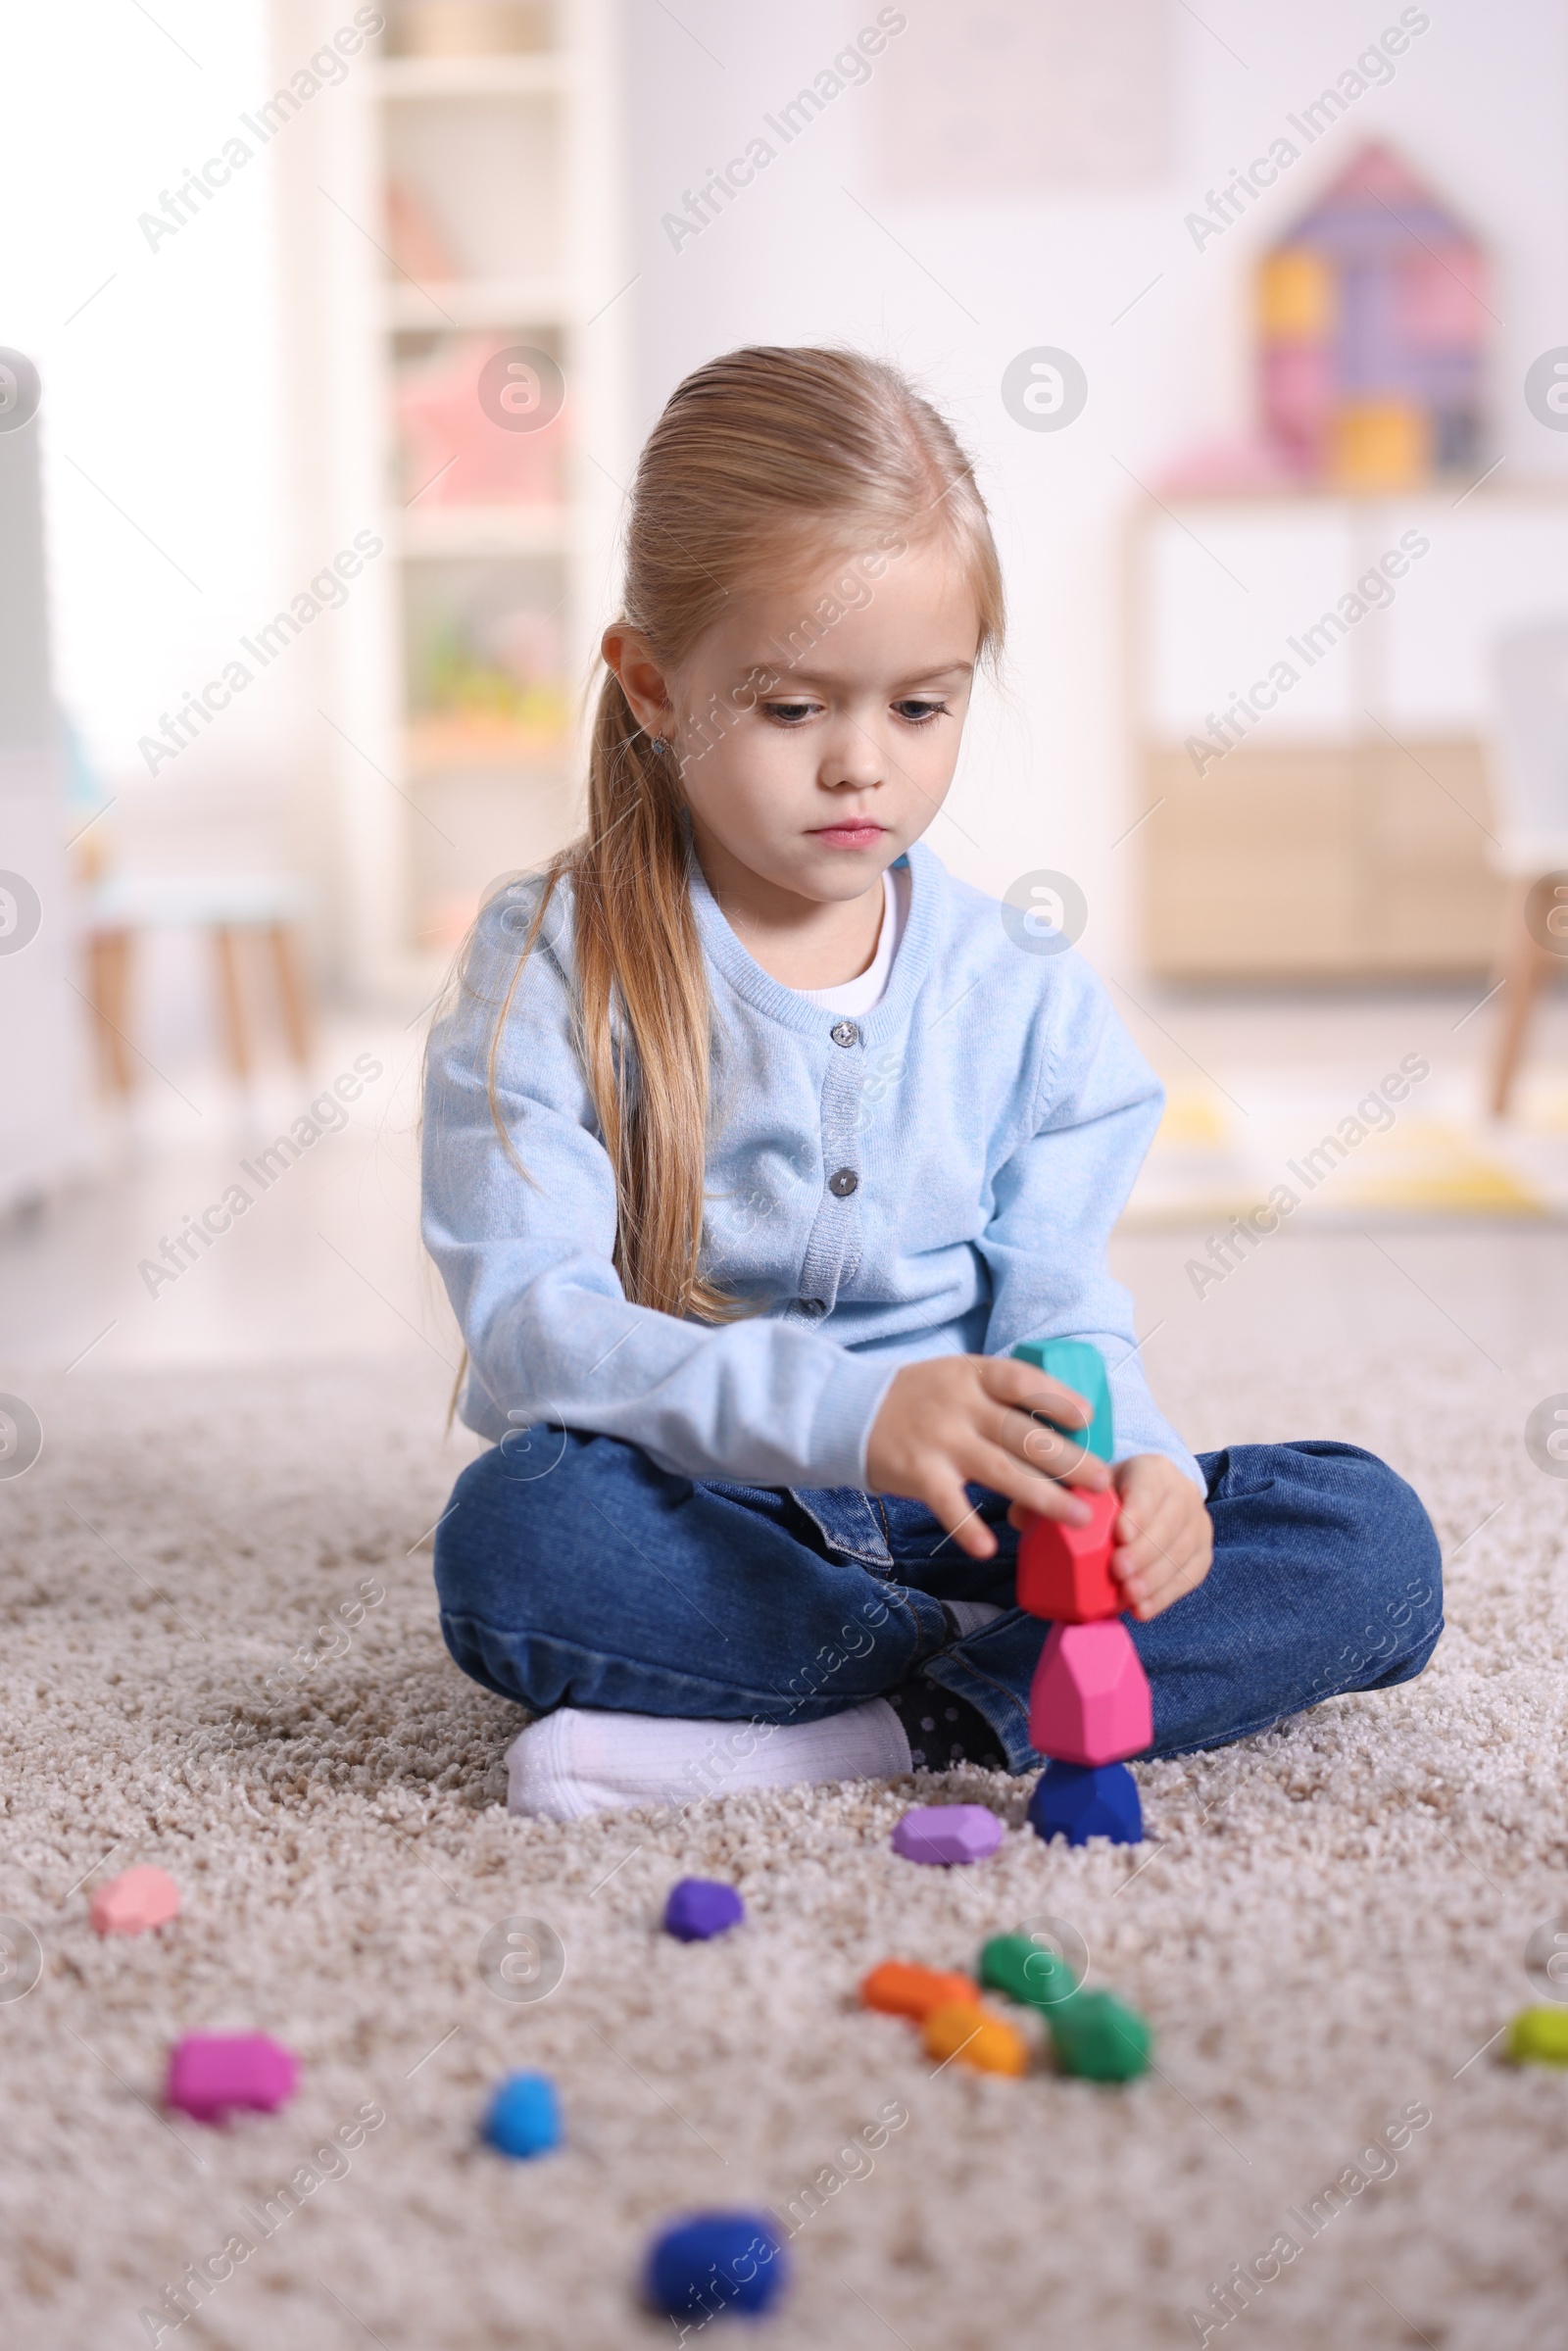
(108, 985)
(292, 993)
(234, 1005)
(1525, 965)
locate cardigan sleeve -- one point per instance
(1058, 1194)
(527, 1259)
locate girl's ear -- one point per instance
(628, 654)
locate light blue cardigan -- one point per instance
(937, 1177)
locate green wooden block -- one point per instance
(1082, 1368)
(1538, 2036)
(1097, 2038)
(1026, 1970)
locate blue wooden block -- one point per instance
(698, 1907)
(1080, 1801)
(715, 2261)
(1082, 1368)
(524, 2116)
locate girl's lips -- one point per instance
(850, 836)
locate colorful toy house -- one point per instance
(1372, 322)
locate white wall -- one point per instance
(166, 388)
(1477, 102)
(161, 394)
(171, 523)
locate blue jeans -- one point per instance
(573, 1571)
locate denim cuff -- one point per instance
(961, 1668)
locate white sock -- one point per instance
(971, 1615)
(582, 1759)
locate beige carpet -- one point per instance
(1329, 1930)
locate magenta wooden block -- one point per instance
(210, 2072)
(1090, 1700)
(947, 1833)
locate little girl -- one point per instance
(755, 1141)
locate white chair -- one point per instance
(1526, 764)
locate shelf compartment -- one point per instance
(457, 745)
(462, 32)
(475, 187)
(483, 661)
(414, 305)
(541, 75)
(455, 532)
(454, 449)
(475, 830)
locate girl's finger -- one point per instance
(1013, 1383)
(1174, 1570)
(1156, 1555)
(1144, 1536)
(1175, 1588)
(1045, 1449)
(988, 1464)
(948, 1502)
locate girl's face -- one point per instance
(817, 726)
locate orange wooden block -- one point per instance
(1064, 1572)
(971, 2033)
(900, 1988)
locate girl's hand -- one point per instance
(1164, 1538)
(962, 1420)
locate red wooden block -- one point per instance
(1064, 1572)
(1090, 1700)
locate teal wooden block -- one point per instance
(1082, 1368)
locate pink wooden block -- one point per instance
(210, 2072)
(1090, 1700)
(135, 1900)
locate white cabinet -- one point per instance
(1311, 682)
(1495, 563)
(1225, 591)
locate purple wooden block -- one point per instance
(948, 1832)
(209, 2073)
(698, 1907)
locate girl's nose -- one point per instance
(852, 759)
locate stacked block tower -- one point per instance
(1089, 1704)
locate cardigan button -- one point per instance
(845, 1032)
(842, 1182)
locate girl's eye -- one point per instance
(789, 714)
(917, 711)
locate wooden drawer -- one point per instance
(1366, 859)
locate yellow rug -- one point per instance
(1229, 1147)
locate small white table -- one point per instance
(123, 906)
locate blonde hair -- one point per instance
(764, 460)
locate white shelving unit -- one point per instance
(457, 195)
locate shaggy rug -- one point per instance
(220, 1656)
